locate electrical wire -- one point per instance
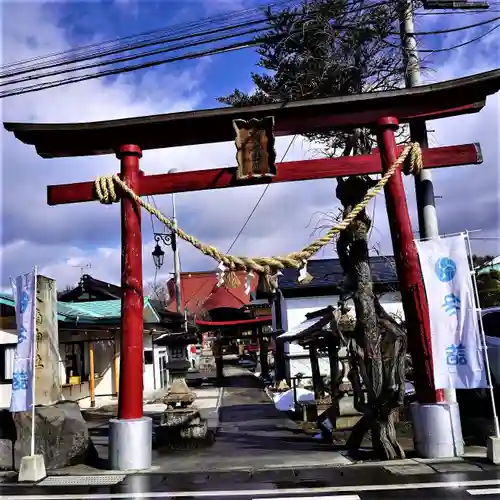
(141, 37)
(196, 43)
(192, 55)
(136, 56)
(453, 47)
(76, 79)
(143, 44)
(146, 41)
(236, 46)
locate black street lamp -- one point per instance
(158, 254)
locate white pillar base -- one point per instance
(437, 431)
(130, 444)
(493, 450)
(32, 469)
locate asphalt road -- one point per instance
(355, 483)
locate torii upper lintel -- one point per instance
(439, 100)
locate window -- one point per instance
(491, 324)
(148, 357)
(75, 361)
(7, 352)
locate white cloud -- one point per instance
(59, 239)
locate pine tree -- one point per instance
(326, 48)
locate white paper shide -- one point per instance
(24, 291)
(456, 338)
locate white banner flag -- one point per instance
(24, 291)
(456, 339)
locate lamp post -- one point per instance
(170, 239)
(178, 363)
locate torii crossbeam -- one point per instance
(130, 434)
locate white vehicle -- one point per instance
(491, 324)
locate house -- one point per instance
(89, 333)
(221, 313)
(295, 300)
(90, 289)
(487, 267)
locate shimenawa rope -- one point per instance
(411, 157)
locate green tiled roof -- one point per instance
(94, 310)
(85, 312)
(7, 300)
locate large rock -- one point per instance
(61, 435)
(7, 440)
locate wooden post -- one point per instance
(411, 284)
(116, 365)
(316, 375)
(219, 368)
(333, 358)
(91, 374)
(263, 345)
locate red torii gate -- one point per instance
(130, 434)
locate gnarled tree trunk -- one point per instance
(378, 344)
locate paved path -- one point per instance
(252, 435)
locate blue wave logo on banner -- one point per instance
(445, 269)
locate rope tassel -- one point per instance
(231, 279)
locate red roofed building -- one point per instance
(217, 307)
(222, 311)
(200, 293)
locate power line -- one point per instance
(144, 39)
(195, 55)
(141, 37)
(196, 43)
(139, 46)
(453, 47)
(136, 56)
(151, 64)
(100, 53)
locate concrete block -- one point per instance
(437, 432)
(493, 450)
(32, 469)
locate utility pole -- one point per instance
(177, 261)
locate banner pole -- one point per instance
(483, 337)
(33, 382)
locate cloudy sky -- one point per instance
(60, 239)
